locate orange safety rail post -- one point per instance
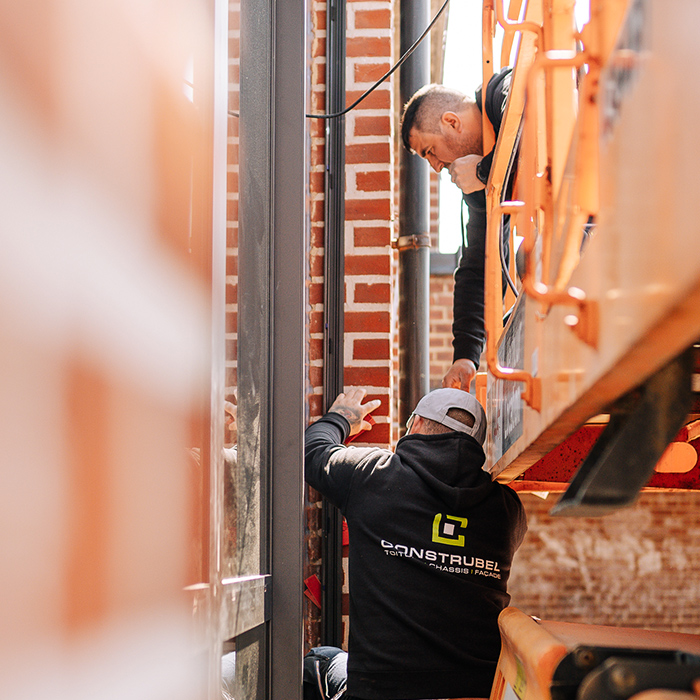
(507, 25)
(494, 189)
(488, 30)
(580, 199)
(539, 199)
(511, 26)
(529, 657)
(533, 650)
(566, 201)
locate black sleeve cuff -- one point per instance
(340, 422)
(483, 168)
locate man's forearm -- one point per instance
(320, 439)
(468, 309)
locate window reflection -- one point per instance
(233, 492)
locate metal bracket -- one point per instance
(415, 240)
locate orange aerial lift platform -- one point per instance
(599, 341)
(592, 383)
(544, 659)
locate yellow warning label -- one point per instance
(520, 681)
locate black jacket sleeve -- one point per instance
(468, 305)
(322, 441)
(468, 301)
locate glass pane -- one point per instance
(241, 544)
(243, 666)
(229, 544)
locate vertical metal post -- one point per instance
(289, 348)
(272, 258)
(414, 226)
(333, 306)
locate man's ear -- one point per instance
(451, 120)
(417, 425)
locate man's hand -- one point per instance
(460, 375)
(463, 172)
(351, 407)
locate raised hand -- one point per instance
(350, 406)
(460, 375)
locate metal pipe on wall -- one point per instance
(414, 225)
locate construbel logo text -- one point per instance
(445, 529)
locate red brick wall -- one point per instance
(434, 209)
(440, 327)
(370, 263)
(638, 567)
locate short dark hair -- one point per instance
(424, 109)
(432, 427)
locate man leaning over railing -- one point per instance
(444, 126)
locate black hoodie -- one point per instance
(431, 543)
(468, 306)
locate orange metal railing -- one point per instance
(493, 311)
(553, 95)
(552, 210)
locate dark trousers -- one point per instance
(325, 674)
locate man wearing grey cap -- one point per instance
(432, 539)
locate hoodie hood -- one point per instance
(450, 464)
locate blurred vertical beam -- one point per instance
(87, 424)
(218, 138)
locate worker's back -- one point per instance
(431, 543)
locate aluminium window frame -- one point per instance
(271, 306)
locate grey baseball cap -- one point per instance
(436, 404)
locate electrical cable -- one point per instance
(501, 250)
(397, 65)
